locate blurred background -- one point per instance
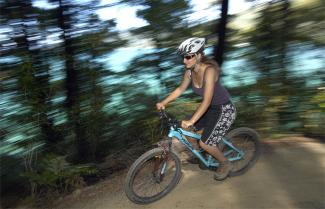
(80, 79)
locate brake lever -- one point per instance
(193, 128)
(162, 114)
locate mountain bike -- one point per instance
(157, 172)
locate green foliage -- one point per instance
(279, 99)
(61, 97)
(53, 173)
(313, 116)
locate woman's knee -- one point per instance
(202, 144)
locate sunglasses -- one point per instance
(188, 56)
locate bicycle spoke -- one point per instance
(146, 181)
(148, 184)
(244, 143)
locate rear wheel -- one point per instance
(246, 140)
(152, 176)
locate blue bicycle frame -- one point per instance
(179, 133)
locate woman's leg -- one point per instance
(199, 125)
(216, 129)
(194, 142)
(214, 151)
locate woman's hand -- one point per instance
(187, 123)
(160, 106)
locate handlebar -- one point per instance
(172, 122)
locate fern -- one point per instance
(56, 174)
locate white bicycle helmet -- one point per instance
(191, 46)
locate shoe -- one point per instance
(223, 171)
(193, 160)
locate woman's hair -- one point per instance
(209, 61)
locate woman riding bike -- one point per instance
(216, 113)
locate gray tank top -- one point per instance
(220, 94)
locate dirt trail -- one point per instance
(289, 174)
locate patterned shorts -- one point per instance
(216, 122)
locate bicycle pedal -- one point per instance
(202, 166)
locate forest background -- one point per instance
(78, 93)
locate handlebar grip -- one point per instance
(193, 128)
(170, 120)
(179, 124)
(162, 113)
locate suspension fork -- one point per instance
(160, 164)
(164, 158)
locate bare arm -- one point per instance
(179, 90)
(210, 77)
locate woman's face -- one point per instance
(189, 60)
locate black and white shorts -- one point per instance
(215, 123)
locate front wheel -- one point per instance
(246, 140)
(152, 176)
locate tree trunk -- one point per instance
(221, 31)
(39, 90)
(72, 103)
